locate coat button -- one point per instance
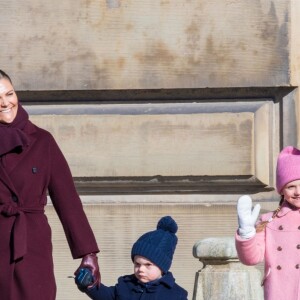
(279, 248)
(298, 246)
(297, 266)
(278, 267)
(14, 198)
(298, 227)
(280, 227)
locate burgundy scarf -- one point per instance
(12, 135)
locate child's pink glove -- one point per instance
(247, 217)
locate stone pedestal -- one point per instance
(223, 276)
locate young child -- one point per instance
(276, 237)
(152, 256)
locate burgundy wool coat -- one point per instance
(279, 247)
(26, 264)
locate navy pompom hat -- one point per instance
(159, 245)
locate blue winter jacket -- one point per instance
(129, 288)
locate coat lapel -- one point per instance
(4, 174)
(17, 158)
(6, 180)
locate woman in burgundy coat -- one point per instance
(31, 164)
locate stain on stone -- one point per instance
(270, 26)
(67, 132)
(165, 2)
(113, 3)
(220, 54)
(156, 53)
(238, 131)
(209, 44)
(246, 125)
(121, 62)
(193, 34)
(129, 27)
(49, 71)
(89, 130)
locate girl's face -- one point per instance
(8, 101)
(145, 270)
(291, 193)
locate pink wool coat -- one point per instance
(279, 247)
(26, 265)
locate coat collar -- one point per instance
(286, 208)
(151, 287)
(30, 129)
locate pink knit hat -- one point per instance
(288, 167)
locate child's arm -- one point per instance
(84, 280)
(251, 251)
(101, 293)
(250, 245)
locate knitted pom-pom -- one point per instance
(167, 224)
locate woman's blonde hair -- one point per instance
(262, 225)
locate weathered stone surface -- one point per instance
(192, 141)
(212, 248)
(230, 281)
(87, 45)
(156, 144)
(223, 277)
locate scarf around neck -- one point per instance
(12, 135)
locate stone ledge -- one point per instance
(215, 248)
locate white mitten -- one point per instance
(247, 217)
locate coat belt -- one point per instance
(19, 226)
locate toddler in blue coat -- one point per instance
(152, 256)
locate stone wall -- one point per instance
(95, 45)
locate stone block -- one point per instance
(222, 276)
(193, 145)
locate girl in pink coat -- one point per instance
(275, 238)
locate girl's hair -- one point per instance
(4, 75)
(262, 225)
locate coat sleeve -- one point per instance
(102, 293)
(68, 205)
(184, 295)
(251, 251)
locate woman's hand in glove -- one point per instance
(90, 261)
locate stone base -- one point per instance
(231, 281)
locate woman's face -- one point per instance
(291, 193)
(8, 101)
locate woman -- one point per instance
(31, 164)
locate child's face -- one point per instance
(145, 270)
(291, 193)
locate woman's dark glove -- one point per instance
(90, 261)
